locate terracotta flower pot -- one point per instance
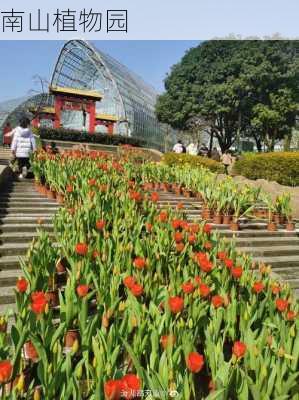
(52, 298)
(272, 227)
(70, 337)
(51, 194)
(226, 219)
(206, 213)
(235, 226)
(217, 219)
(43, 190)
(290, 226)
(278, 219)
(187, 193)
(60, 198)
(30, 352)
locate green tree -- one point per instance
(240, 88)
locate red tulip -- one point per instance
(176, 304)
(192, 239)
(180, 206)
(237, 272)
(5, 371)
(208, 245)
(178, 237)
(136, 290)
(82, 290)
(188, 287)
(129, 281)
(281, 304)
(194, 228)
(112, 390)
(39, 302)
(179, 247)
(139, 262)
(258, 287)
(228, 263)
(100, 224)
(206, 265)
(149, 227)
(92, 182)
(163, 216)
(81, 249)
(291, 315)
(69, 188)
(221, 255)
(167, 340)
(275, 289)
(154, 197)
(239, 349)
(176, 224)
(197, 280)
(130, 386)
(204, 290)
(207, 228)
(195, 362)
(217, 301)
(22, 285)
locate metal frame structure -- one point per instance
(127, 104)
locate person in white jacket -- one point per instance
(23, 144)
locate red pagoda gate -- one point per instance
(75, 100)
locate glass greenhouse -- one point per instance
(125, 96)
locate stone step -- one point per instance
(278, 261)
(26, 210)
(294, 283)
(9, 277)
(18, 237)
(26, 227)
(9, 262)
(26, 218)
(266, 241)
(251, 233)
(13, 249)
(34, 203)
(7, 296)
(271, 251)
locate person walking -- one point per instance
(178, 147)
(215, 154)
(226, 160)
(192, 149)
(7, 137)
(23, 144)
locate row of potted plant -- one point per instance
(130, 301)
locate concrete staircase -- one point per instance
(5, 155)
(22, 212)
(279, 249)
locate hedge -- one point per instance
(85, 137)
(280, 167)
(194, 161)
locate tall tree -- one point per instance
(233, 86)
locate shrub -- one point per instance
(194, 161)
(73, 135)
(280, 167)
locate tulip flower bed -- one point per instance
(134, 302)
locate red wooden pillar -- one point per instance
(35, 122)
(58, 107)
(92, 117)
(110, 127)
